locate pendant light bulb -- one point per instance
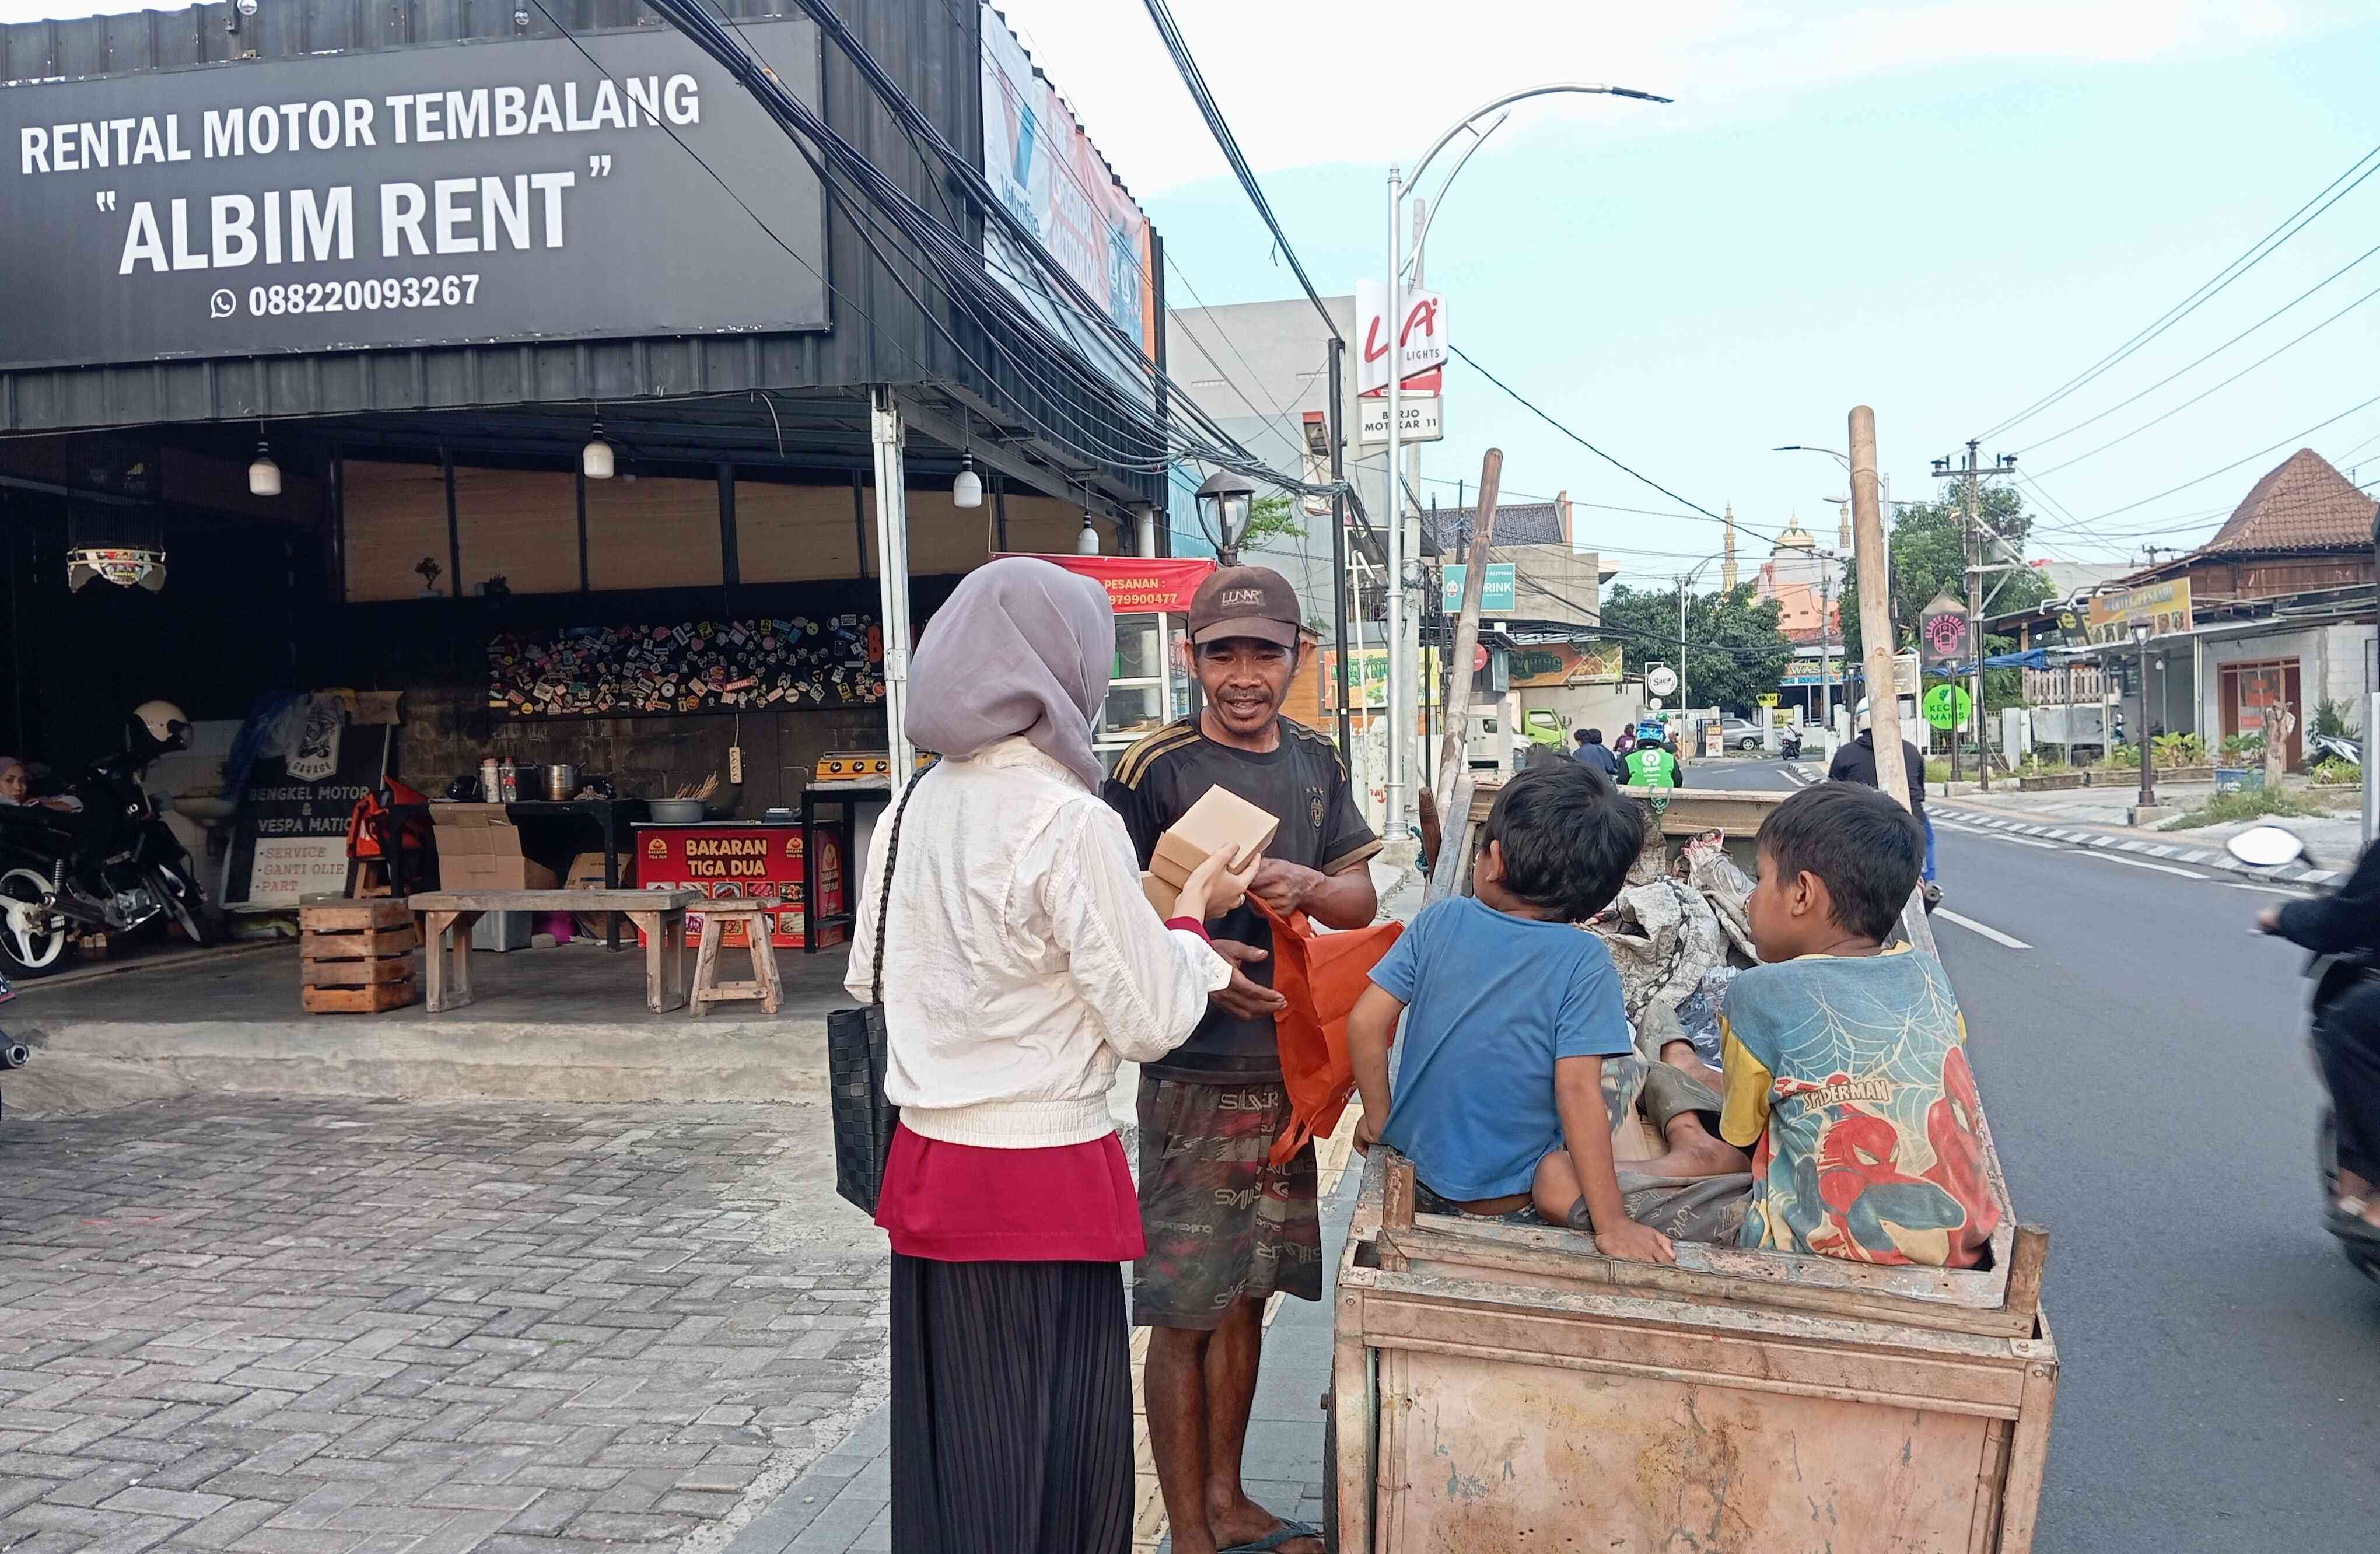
(968, 489)
(263, 476)
(595, 459)
(1088, 543)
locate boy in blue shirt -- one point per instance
(1510, 1013)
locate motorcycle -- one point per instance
(1790, 744)
(12, 1055)
(2334, 746)
(113, 866)
(2333, 976)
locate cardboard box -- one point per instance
(1160, 896)
(1220, 819)
(479, 849)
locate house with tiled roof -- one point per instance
(2279, 609)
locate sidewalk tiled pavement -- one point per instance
(347, 1327)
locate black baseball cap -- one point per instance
(1245, 602)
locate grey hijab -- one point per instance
(1023, 646)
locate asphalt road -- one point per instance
(2144, 1065)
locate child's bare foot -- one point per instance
(1680, 1055)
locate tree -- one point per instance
(1929, 558)
(1271, 518)
(1734, 652)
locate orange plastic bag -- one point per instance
(1322, 975)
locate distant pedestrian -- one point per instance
(1855, 762)
(1592, 752)
(1625, 743)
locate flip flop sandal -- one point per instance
(1288, 1532)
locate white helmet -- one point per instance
(1861, 714)
(163, 721)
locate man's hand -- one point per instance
(2269, 920)
(1285, 887)
(1368, 1132)
(1244, 998)
(1635, 1242)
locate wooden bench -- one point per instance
(447, 915)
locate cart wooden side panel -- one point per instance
(1501, 1389)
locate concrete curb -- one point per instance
(2293, 874)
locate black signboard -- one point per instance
(289, 838)
(471, 192)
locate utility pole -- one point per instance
(1681, 642)
(1825, 649)
(1339, 541)
(1971, 477)
(1400, 685)
(1876, 638)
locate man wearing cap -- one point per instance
(1225, 1228)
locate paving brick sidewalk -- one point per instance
(347, 1327)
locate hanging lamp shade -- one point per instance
(968, 489)
(1088, 543)
(595, 459)
(263, 475)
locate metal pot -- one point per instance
(561, 782)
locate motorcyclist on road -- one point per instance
(1855, 762)
(2347, 1034)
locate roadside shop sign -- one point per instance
(520, 189)
(1415, 337)
(1942, 631)
(1499, 598)
(2165, 606)
(1140, 585)
(1565, 664)
(1420, 415)
(1949, 706)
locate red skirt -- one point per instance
(960, 1203)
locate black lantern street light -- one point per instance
(1224, 501)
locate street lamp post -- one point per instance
(2147, 745)
(1224, 503)
(1402, 654)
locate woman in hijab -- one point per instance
(1022, 963)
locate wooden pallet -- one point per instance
(355, 957)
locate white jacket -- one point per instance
(1022, 961)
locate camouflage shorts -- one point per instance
(1223, 1225)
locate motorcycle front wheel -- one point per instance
(32, 937)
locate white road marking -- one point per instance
(1995, 935)
(2143, 863)
(2268, 890)
(2029, 842)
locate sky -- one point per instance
(1944, 212)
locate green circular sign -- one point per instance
(1949, 706)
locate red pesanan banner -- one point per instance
(1139, 585)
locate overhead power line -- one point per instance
(2040, 443)
(1525, 403)
(1193, 80)
(2255, 254)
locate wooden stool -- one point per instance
(764, 986)
(356, 956)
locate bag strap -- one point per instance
(884, 896)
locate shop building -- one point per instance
(590, 416)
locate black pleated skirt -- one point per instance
(1011, 1408)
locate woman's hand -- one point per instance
(2269, 920)
(1215, 886)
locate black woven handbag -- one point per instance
(863, 1118)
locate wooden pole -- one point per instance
(1876, 641)
(1453, 759)
(1876, 607)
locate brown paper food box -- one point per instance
(479, 849)
(1160, 896)
(1220, 819)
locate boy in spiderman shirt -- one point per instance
(1844, 1061)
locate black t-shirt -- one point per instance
(1302, 783)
